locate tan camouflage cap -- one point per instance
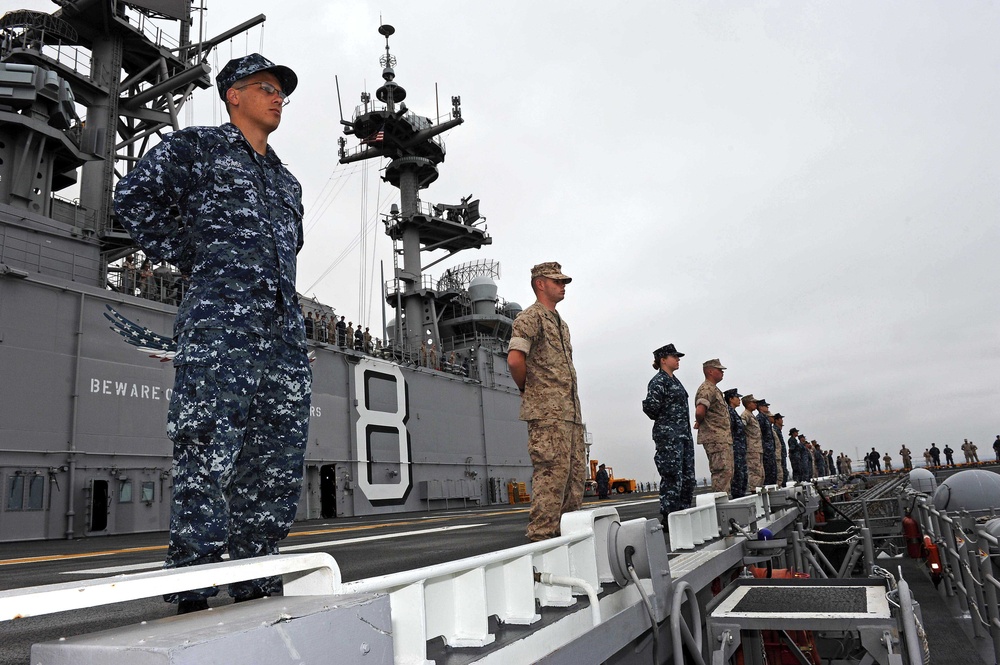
(552, 270)
(714, 362)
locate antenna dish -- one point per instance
(386, 30)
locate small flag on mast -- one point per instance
(377, 137)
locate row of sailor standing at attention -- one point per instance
(745, 450)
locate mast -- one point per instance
(412, 144)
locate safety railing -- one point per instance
(455, 600)
(968, 551)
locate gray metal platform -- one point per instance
(752, 605)
(277, 631)
(804, 604)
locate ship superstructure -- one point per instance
(460, 311)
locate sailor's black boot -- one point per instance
(188, 606)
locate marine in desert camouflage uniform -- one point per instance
(755, 465)
(666, 404)
(540, 357)
(780, 450)
(907, 456)
(219, 204)
(715, 432)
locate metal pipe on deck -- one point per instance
(797, 548)
(913, 647)
(990, 585)
(679, 630)
(850, 559)
(866, 536)
(576, 583)
(952, 561)
(828, 567)
(971, 568)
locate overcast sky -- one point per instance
(806, 190)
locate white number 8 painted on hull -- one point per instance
(372, 421)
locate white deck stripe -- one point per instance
(152, 565)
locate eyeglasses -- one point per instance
(269, 89)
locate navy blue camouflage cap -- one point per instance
(731, 393)
(667, 350)
(240, 68)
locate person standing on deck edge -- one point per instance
(540, 358)
(219, 204)
(666, 404)
(711, 414)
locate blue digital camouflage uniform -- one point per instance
(666, 404)
(739, 484)
(820, 462)
(767, 441)
(808, 463)
(795, 457)
(231, 220)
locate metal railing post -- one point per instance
(987, 572)
(910, 636)
(866, 535)
(975, 575)
(951, 560)
(796, 549)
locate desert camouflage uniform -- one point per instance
(767, 444)
(739, 485)
(551, 406)
(716, 434)
(755, 466)
(231, 220)
(666, 404)
(905, 453)
(781, 455)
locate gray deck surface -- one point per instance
(949, 633)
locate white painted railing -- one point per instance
(700, 523)
(312, 574)
(454, 600)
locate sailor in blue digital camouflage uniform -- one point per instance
(666, 404)
(795, 454)
(219, 204)
(738, 487)
(767, 441)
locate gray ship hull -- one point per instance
(83, 449)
